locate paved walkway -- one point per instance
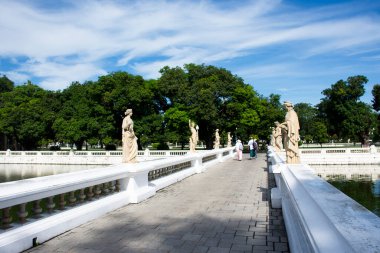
(225, 209)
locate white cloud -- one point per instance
(71, 42)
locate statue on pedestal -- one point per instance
(292, 127)
(217, 139)
(277, 135)
(193, 141)
(229, 140)
(129, 139)
(272, 140)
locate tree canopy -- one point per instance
(345, 115)
(91, 112)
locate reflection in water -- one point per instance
(359, 182)
(14, 172)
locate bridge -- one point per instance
(224, 209)
(203, 202)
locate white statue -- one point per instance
(194, 136)
(292, 127)
(277, 135)
(217, 139)
(229, 140)
(129, 139)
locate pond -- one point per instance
(15, 172)
(359, 182)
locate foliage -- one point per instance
(319, 132)
(307, 115)
(213, 97)
(376, 97)
(27, 114)
(82, 117)
(345, 115)
(6, 84)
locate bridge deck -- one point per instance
(225, 209)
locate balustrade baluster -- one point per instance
(50, 205)
(106, 188)
(72, 198)
(62, 201)
(112, 186)
(37, 210)
(6, 220)
(82, 196)
(117, 186)
(22, 213)
(98, 191)
(90, 194)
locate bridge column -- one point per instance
(137, 184)
(197, 164)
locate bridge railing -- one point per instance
(81, 157)
(35, 210)
(341, 156)
(318, 217)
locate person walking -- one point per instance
(251, 149)
(255, 148)
(239, 150)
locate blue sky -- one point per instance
(293, 48)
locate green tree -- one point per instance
(307, 115)
(345, 115)
(212, 97)
(27, 113)
(6, 84)
(82, 116)
(376, 97)
(177, 125)
(270, 110)
(318, 132)
(122, 91)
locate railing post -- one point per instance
(197, 164)
(137, 184)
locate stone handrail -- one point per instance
(80, 157)
(341, 156)
(318, 217)
(74, 198)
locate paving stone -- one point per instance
(242, 247)
(281, 246)
(198, 214)
(200, 249)
(191, 237)
(218, 250)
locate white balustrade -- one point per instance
(340, 156)
(318, 217)
(72, 199)
(80, 157)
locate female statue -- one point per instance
(292, 126)
(217, 139)
(129, 139)
(194, 136)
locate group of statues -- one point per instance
(194, 138)
(129, 138)
(284, 135)
(287, 133)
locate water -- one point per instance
(367, 193)
(15, 172)
(359, 182)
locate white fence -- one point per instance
(45, 207)
(340, 156)
(80, 157)
(318, 217)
